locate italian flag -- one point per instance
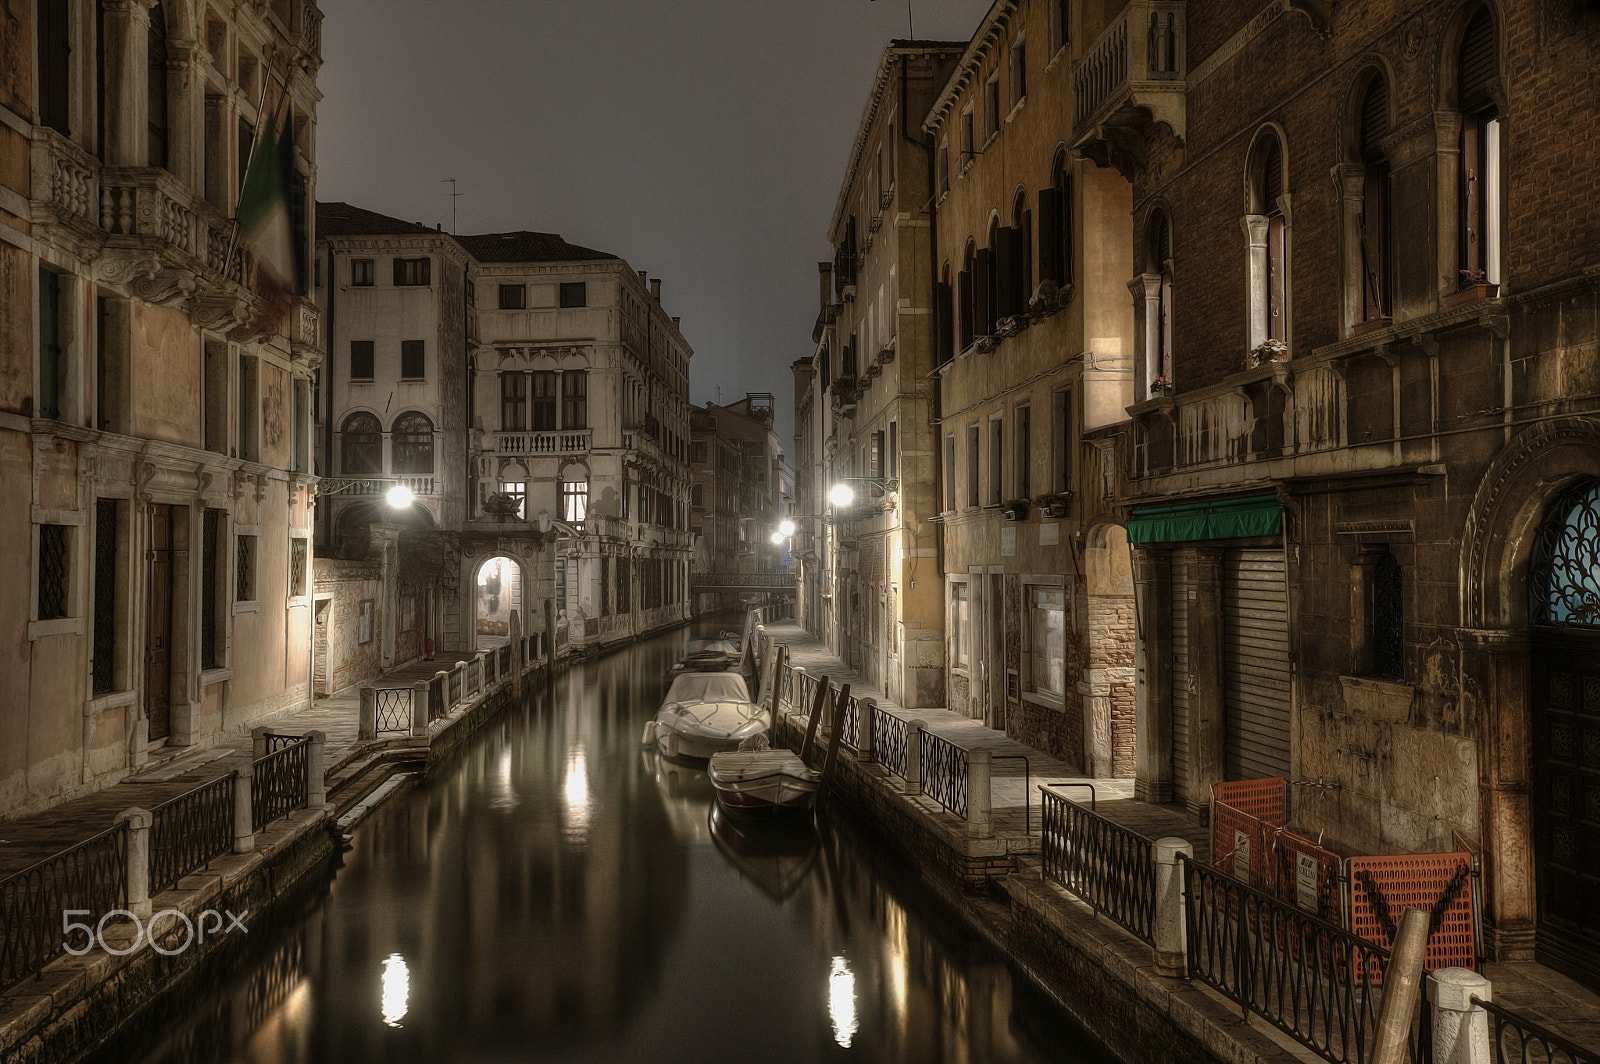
(263, 219)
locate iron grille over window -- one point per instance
(52, 571)
(210, 548)
(244, 588)
(1564, 572)
(297, 567)
(1388, 619)
(105, 595)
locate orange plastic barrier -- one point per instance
(1439, 884)
(1246, 816)
(1265, 799)
(1308, 876)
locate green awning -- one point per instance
(1255, 515)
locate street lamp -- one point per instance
(399, 497)
(842, 494)
(785, 529)
(778, 538)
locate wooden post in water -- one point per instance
(516, 654)
(781, 659)
(840, 705)
(816, 715)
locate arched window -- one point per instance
(411, 443)
(967, 295)
(1477, 75)
(1376, 231)
(1265, 224)
(1564, 570)
(989, 290)
(1020, 256)
(361, 445)
(1055, 224)
(156, 89)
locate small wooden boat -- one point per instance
(766, 783)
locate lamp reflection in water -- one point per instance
(576, 795)
(396, 989)
(842, 1002)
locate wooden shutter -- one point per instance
(1478, 63)
(1064, 228)
(1024, 263)
(1272, 176)
(49, 344)
(983, 308)
(944, 307)
(968, 309)
(1256, 663)
(1005, 266)
(1049, 224)
(1374, 120)
(54, 65)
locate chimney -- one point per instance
(655, 289)
(825, 275)
(675, 321)
(643, 276)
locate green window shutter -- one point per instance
(49, 344)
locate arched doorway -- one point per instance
(498, 596)
(1564, 681)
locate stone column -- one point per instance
(1152, 583)
(367, 722)
(316, 772)
(244, 827)
(419, 709)
(1171, 947)
(1255, 234)
(139, 822)
(869, 713)
(1502, 659)
(1208, 713)
(980, 797)
(914, 729)
(186, 112)
(258, 742)
(1460, 1028)
(127, 29)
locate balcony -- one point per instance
(1131, 78)
(568, 441)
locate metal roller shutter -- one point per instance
(1256, 663)
(1182, 686)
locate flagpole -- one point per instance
(255, 142)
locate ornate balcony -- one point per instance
(66, 186)
(568, 441)
(1131, 78)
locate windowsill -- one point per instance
(1374, 699)
(968, 164)
(1371, 326)
(55, 626)
(298, 602)
(360, 380)
(1061, 50)
(1047, 701)
(1015, 108)
(217, 675)
(247, 607)
(990, 140)
(109, 700)
(413, 380)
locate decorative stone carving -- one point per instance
(121, 266)
(167, 287)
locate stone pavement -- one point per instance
(172, 771)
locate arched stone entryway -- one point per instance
(497, 596)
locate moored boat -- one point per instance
(769, 783)
(705, 713)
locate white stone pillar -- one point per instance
(980, 797)
(244, 827)
(419, 708)
(138, 858)
(1169, 931)
(316, 772)
(367, 722)
(258, 742)
(914, 730)
(1460, 1028)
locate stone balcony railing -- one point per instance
(66, 184)
(146, 208)
(566, 441)
(1130, 77)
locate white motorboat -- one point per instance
(767, 783)
(705, 713)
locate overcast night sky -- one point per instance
(702, 140)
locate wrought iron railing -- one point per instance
(1310, 979)
(850, 726)
(505, 662)
(394, 709)
(90, 877)
(1102, 862)
(1514, 1038)
(437, 707)
(944, 773)
(279, 740)
(279, 784)
(186, 832)
(457, 685)
(889, 742)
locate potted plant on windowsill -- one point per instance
(1472, 285)
(1161, 387)
(1267, 351)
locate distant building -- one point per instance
(739, 477)
(155, 397)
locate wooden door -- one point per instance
(158, 624)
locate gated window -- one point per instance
(297, 567)
(54, 573)
(1564, 572)
(244, 572)
(412, 441)
(362, 453)
(105, 595)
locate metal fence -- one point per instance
(504, 669)
(90, 877)
(186, 832)
(1515, 1040)
(889, 742)
(394, 709)
(1310, 979)
(1102, 862)
(279, 740)
(457, 683)
(850, 726)
(944, 773)
(278, 786)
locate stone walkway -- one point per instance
(172, 771)
(1538, 993)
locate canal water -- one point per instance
(559, 893)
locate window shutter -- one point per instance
(1478, 63)
(1163, 241)
(982, 309)
(944, 300)
(1065, 229)
(1024, 263)
(1049, 225)
(399, 271)
(968, 309)
(1005, 266)
(1374, 119)
(1272, 176)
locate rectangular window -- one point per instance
(1019, 71)
(943, 166)
(892, 457)
(413, 271)
(104, 660)
(52, 363)
(1023, 454)
(1046, 633)
(991, 106)
(247, 136)
(54, 572)
(961, 610)
(249, 404)
(302, 426)
(216, 395)
(210, 589)
(297, 566)
(968, 143)
(513, 297)
(1062, 447)
(361, 360)
(574, 500)
(972, 465)
(575, 399)
(1059, 32)
(362, 273)
(605, 586)
(544, 400)
(244, 572)
(697, 452)
(876, 459)
(574, 294)
(112, 351)
(513, 402)
(697, 494)
(997, 450)
(54, 50)
(518, 490)
(413, 360)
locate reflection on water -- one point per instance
(558, 894)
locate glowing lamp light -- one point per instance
(399, 496)
(396, 989)
(786, 527)
(842, 1002)
(841, 495)
(777, 539)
